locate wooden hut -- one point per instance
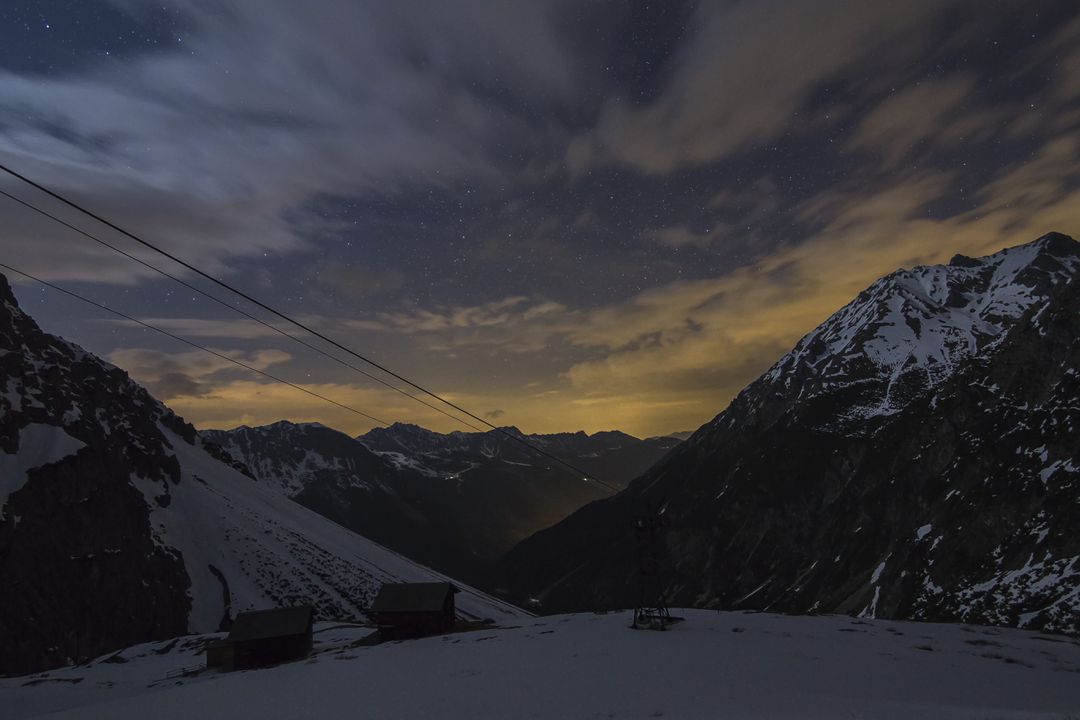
(220, 654)
(264, 637)
(404, 610)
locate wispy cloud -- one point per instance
(678, 236)
(192, 374)
(923, 117)
(206, 328)
(745, 75)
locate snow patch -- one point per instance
(39, 444)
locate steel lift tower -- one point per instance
(651, 612)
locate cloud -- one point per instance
(495, 313)
(516, 326)
(196, 374)
(356, 281)
(206, 328)
(1066, 43)
(931, 113)
(174, 384)
(752, 201)
(1054, 108)
(679, 236)
(745, 75)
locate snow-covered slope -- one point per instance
(119, 524)
(270, 551)
(714, 665)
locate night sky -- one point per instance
(563, 215)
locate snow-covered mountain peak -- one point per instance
(287, 455)
(290, 425)
(285, 427)
(407, 435)
(909, 330)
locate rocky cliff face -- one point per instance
(119, 525)
(75, 537)
(915, 456)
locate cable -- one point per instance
(299, 324)
(166, 333)
(241, 311)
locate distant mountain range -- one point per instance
(915, 456)
(455, 501)
(119, 524)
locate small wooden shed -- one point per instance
(264, 637)
(404, 610)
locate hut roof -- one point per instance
(279, 622)
(412, 597)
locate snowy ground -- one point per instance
(714, 665)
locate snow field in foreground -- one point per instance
(714, 665)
